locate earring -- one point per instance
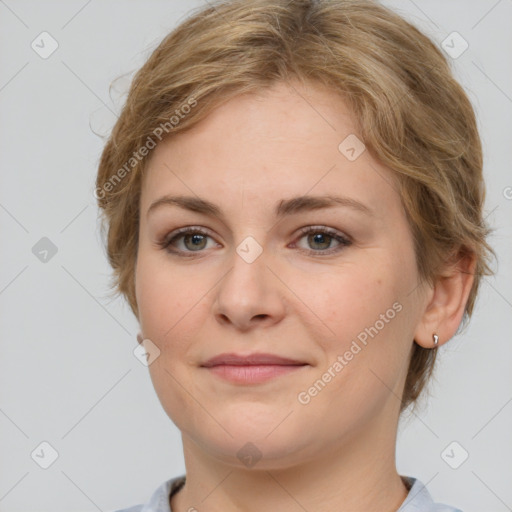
(436, 339)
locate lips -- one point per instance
(251, 360)
(252, 369)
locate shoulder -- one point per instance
(420, 500)
(159, 500)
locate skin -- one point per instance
(246, 156)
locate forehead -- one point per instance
(282, 142)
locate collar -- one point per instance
(418, 499)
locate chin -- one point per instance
(255, 454)
(266, 443)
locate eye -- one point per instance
(321, 237)
(193, 239)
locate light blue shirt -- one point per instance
(418, 499)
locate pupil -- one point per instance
(318, 237)
(196, 240)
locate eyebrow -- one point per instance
(285, 207)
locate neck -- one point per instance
(359, 475)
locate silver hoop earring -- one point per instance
(436, 339)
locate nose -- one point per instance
(250, 294)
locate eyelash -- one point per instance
(343, 240)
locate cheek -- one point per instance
(351, 300)
(365, 310)
(164, 299)
(163, 295)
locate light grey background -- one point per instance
(68, 375)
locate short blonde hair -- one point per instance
(413, 117)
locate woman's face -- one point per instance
(342, 301)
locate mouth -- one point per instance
(252, 368)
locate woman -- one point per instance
(293, 195)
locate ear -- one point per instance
(446, 302)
